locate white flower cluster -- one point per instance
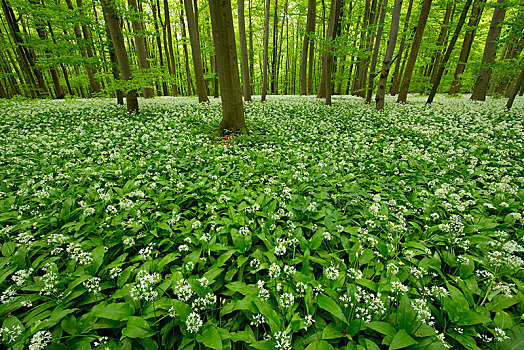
(258, 319)
(50, 279)
(40, 340)
(263, 293)
(286, 300)
(21, 276)
(144, 288)
(92, 285)
(77, 254)
(10, 335)
(8, 295)
(282, 340)
(202, 303)
(423, 313)
(194, 322)
(146, 252)
(183, 290)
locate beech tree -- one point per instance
(120, 52)
(227, 64)
(386, 65)
(266, 50)
(415, 46)
(490, 51)
(244, 64)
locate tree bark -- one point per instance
(274, 48)
(374, 58)
(186, 53)
(395, 84)
(410, 66)
(195, 52)
(334, 13)
(140, 43)
(226, 54)
(120, 52)
(490, 51)
(476, 13)
(310, 30)
(266, 53)
(449, 50)
(155, 8)
(390, 49)
(441, 40)
(171, 59)
(516, 89)
(244, 63)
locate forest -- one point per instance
(276, 174)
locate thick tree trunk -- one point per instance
(410, 66)
(310, 30)
(490, 51)
(120, 51)
(449, 50)
(226, 53)
(516, 89)
(374, 58)
(195, 52)
(140, 42)
(395, 84)
(266, 51)
(476, 13)
(390, 49)
(244, 63)
(114, 65)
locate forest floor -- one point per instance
(323, 228)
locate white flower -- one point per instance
(274, 271)
(287, 300)
(40, 340)
(92, 285)
(193, 322)
(332, 272)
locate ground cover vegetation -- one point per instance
(324, 227)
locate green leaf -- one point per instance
(8, 248)
(515, 341)
(382, 327)
(469, 318)
(320, 345)
(137, 327)
(272, 318)
(210, 337)
(331, 306)
(401, 340)
(98, 257)
(332, 332)
(501, 302)
(115, 311)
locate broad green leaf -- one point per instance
(210, 337)
(115, 311)
(515, 341)
(470, 318)
(320, 345)
(137, 327)
(331, 331)
(328, 304)
(401, 340)
(272, 318)
(382, 327)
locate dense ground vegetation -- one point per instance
(323, 228)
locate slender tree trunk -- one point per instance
(251, 52)
(244, 64)
(390, 49)
(476, 14)
(449, 50)
(395, 84)
(114, 65)
(490, 51)
(171, 58)
(155, 6)
(195, 52)
(140, 42)
(273, 67)
(279, 54)
(83, 44)
(186, 54)
(441, 40)
(226, 53)
(310, 30)
(516, 89)
(266, 49)
(374, 58)
(334, 13)
(120, 51)
(495, 76)
(415, 46)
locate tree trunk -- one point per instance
(120, 51)
(516, 89)
(449, 50)
(334, 13)
(186, 54)
(114, 64)
(441, 40)
(155, 8)
(395, 84)
(415, 46)
(226, 54)
(251, 52)
(390, 49)
(195, 52)
(140, 42)
(274, 48)
(244, 63)
(266, 53)
(476, 13)
(374, 58)
(490, 51)
(83, 45)
(310, 30)
(171, 59)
